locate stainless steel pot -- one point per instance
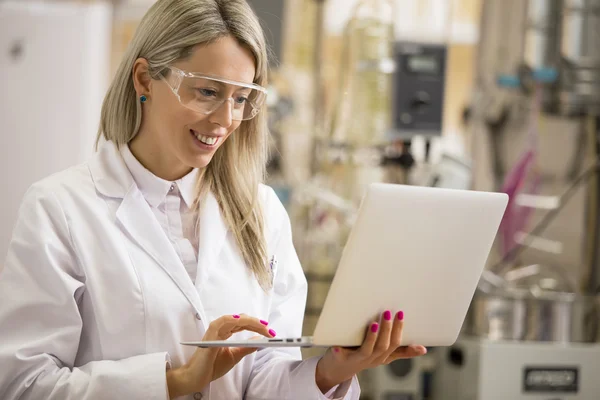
(519, 314)
(533, 303)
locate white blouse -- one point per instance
(171, 204)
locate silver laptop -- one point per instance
(421, 250)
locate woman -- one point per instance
(165, 236)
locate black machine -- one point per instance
(418, 89)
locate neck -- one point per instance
(149, 153)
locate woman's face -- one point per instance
(187, 138)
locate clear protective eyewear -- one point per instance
(206, 94)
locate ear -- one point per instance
(141, 77)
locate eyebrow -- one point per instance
(210, 76)
(223, 85)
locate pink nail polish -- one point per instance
(400, 315)
(265, 323)
(236, 316)
(374, 327)
(272, 332)
(387, 315)
(336, 350)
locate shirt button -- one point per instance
(172, 188)
(198, 316)
(198, 396)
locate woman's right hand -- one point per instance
(208, 364)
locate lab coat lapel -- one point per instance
(137, 219)
(113, 179)
(212, 236)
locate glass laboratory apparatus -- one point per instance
(350, 156)
(363, 116)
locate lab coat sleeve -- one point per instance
(40, 323)
(280, 373)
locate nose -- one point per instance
(223, 114)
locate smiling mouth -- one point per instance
(207, 140)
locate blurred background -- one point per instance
(494, 95)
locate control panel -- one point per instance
(418, 89)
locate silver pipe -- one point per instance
(318, 95)
(541, 34)
(580, 73)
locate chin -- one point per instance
(202, 161)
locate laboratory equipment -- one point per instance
(558, 48)
(405, 379)
(483, 369)
(528, 335)
(418, 89)
(532, 331)
(363, 116)
(535, 303)
(539, 64)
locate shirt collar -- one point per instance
(187, 187)
(155, 189)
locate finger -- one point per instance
(419, 349)
(240, 352)
(219, 329)
(343, 353)
(366, 349)
(223, 327)
(241, 328)
(407, 352)
(396, 335)
(243, 322)
(242, 316)
(383, 337)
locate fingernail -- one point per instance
(400, 315)
(236, 316)
(387, 315)
(265, 323)
(374, 327)
(272, 332)
(336, 350)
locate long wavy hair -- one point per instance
(169, 32)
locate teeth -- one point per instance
(206, 139)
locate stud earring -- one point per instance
(143, 98)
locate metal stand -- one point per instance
(591, 280)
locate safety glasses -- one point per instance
(206, 94)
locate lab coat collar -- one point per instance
(113, 179)
(154, 188)
(109, 171)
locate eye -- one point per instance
(241, 100)
(207, 92)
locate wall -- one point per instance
(53, 83)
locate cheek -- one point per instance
(232, 131)
(181, 119)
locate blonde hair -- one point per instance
(169, 32)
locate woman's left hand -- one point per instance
(381, 346)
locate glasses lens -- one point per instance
(205, 95)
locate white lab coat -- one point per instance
(94, 299)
